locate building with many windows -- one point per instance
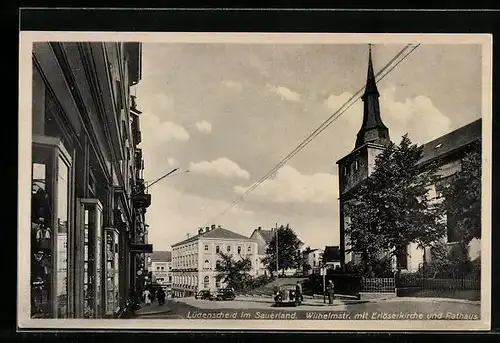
(88, 199)
(194, 259)
(161, 269)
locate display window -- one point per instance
(112, 270)
(90, 215)
(51, 175)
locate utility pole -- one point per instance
(277, 264)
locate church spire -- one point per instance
(373, 129)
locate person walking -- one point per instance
(147, 297)
(161, 297)
(331, 291)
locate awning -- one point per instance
(141, 248)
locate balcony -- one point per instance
(136, 129)
(139, 162)
(140, 198)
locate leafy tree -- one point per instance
(463, 196)
(288, 247)
(233, 272)
(394, 207)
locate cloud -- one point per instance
(416, 116)
(161, 132)
(231, 84)
(219, 167)
(172, 161)
(204, 126)
(290, 185)
(284, 92)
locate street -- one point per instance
(374, 309)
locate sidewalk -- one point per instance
(154, 308)
(429, 300)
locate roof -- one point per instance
(268, 235)
(451, 142)
(161, 256)
(331, 254)
(310, 250)
(215, 233)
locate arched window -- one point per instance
(228, 248)
(206, 247)
(217, 249)
(206, 282)
(239, 250)
(206, 265)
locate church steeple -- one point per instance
(373, 129)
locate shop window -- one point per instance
(90, 212)
(112, 270)
(50, 204)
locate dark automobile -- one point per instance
(225, 294)
(287, 295)
(204, 294)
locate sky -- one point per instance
(229, 113)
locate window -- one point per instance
(228, 248)
(356, 165)
(206, 282)
(217, 249)
(170, 279)
(206, 264)
(206, 247)
(314, 263)
(157, 268)
(162, 268)
(239, 250)
(249, 249)
(50, 222)
(217, 264)
(344, 171)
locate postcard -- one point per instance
(254, 181)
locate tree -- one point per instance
(463, 196)
(288, 247)
(233, 272)
(394, 207)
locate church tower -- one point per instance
(372, 138)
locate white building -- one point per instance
(194, 259)
(314, 258)
(161, 268)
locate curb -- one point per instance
(150, 313)
(430, 300)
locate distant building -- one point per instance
(331, 257)
(194, 259)
(373, 138)
(263, 237)
(161, 268)
(314, 258)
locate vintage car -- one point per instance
(287, 295)
(204, 294)
(225, 294)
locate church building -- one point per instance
(372, 138)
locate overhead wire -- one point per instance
(381, 74)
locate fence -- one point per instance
(428, 283)
(378, 285)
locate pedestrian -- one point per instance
(331, 291)
(298, 291)
(147, 297)
(161, 297)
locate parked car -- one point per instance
(287, 295)
(225, 294)
(204, 294)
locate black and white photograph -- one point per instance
(254, 181)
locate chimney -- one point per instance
(200, 231)
(259, 228)
(188, 235)
(219, 227)
(207, 229)
(213, 227)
